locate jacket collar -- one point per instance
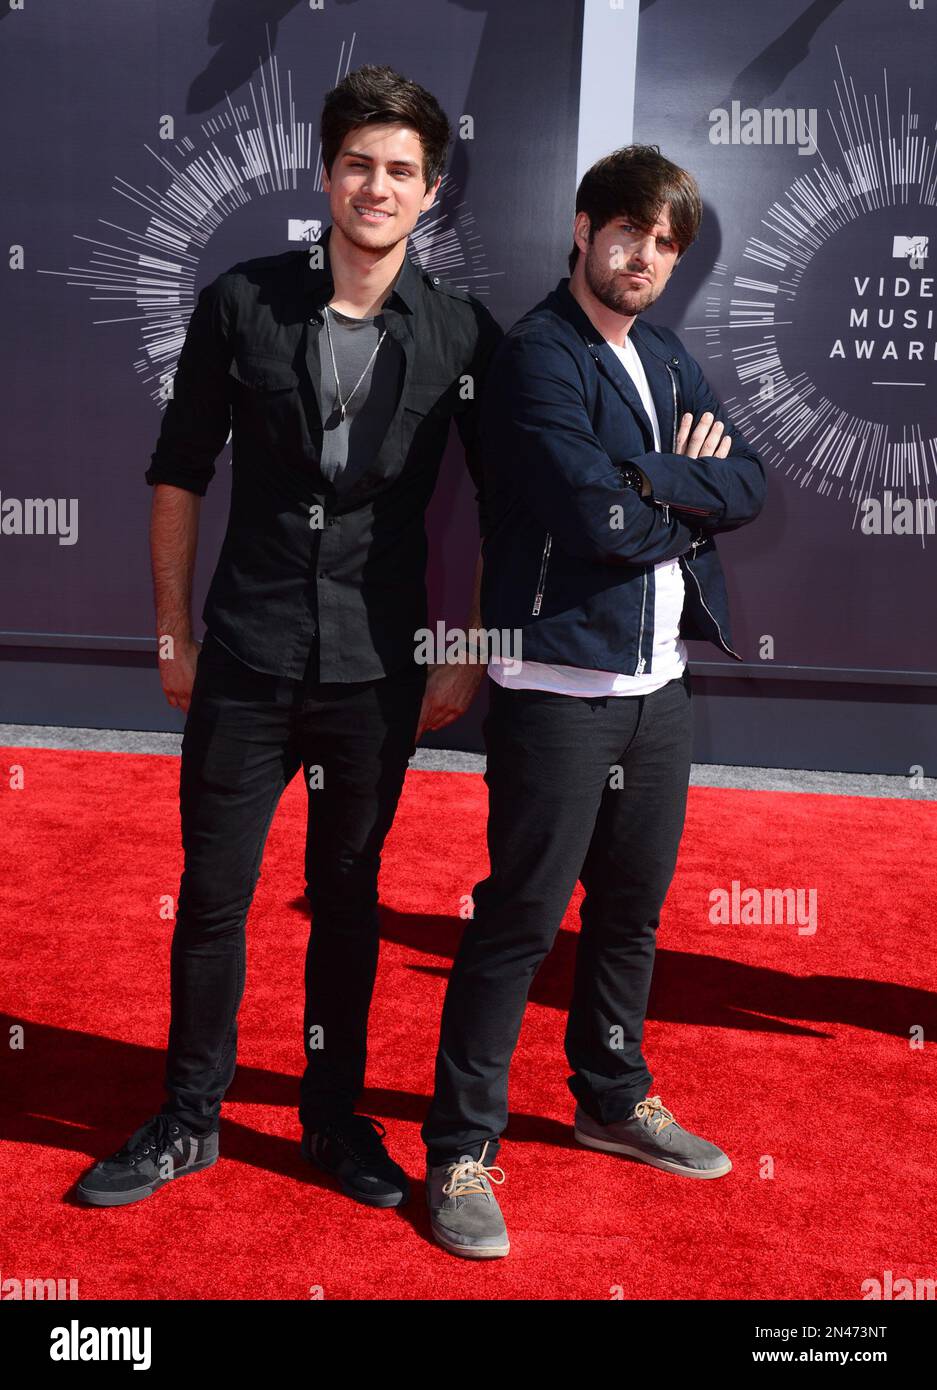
(319, 285)
(655, 358)
(564, 303)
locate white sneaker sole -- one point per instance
(92, 1198)
(668, 1165)
(472, 1252)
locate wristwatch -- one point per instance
(631, 477)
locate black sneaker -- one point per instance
(350, 1148)
(160, 1150)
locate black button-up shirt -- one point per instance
(303, 558)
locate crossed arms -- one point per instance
(535, 414)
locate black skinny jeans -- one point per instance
(557, 814)
(246, 736)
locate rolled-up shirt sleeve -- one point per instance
(197, 417)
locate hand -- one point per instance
(703, 441)
(450, 689)
(177, 674)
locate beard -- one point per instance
(610, 289)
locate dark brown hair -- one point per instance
(372, 95)
(638, 180)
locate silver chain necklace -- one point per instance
(338, 388)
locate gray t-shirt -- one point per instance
(349, 445)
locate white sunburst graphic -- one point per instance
(255, 150)
(837, 280)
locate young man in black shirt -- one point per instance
(338, 373)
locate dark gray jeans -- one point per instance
(557, 814)
(246, 736)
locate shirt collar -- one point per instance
(320, 286)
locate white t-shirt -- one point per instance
(669, 653)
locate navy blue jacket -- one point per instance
(569, 550)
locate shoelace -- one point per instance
(156, 1136)
(651, 1109)
(360, 1136)
(468, 1176)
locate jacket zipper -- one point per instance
(543, 574)
(686, 564)
(699, 590)
(673, 432)
(639, 669)
(697, 511)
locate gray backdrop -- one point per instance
(119, 228)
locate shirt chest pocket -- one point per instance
(267, 401)
(263, 375)
(425, 421)
(428, 398)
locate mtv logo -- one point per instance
(300, 229)
(912, 248)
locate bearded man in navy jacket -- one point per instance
(610, 467)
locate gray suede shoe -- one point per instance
(652, 1135)
(464, 1214)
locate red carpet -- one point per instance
(791, 1051)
